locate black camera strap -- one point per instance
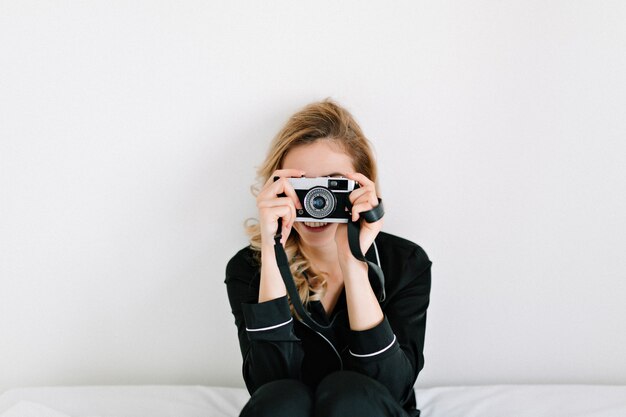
(354, 230)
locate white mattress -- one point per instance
(204, 401)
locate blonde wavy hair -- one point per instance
(323, 120)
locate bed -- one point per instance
(207, 401)
(210, 401)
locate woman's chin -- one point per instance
(316, 236)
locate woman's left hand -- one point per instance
(363, 199)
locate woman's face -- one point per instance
(318, 159)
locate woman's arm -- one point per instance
(363, 309)
(268, 344)
(276, 201)
(364, 312)
(392, 351)
(386, 342)
(269, 347)
(272, 285)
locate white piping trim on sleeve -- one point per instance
(375, 353)
(270, 327)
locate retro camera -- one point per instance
(324, 199)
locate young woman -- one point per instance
(368, 359)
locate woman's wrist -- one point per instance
(267, 247)
(352, 267)
(271, 285)
(364, 312)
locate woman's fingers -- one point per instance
(356, 194)
(361, 179)
(272, 207)
(361, 205)
(363, 198)
(279, 212)
(284, 186)
(359, 208)
(280, 202)
(278, 187)
(275, 202)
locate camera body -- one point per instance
(324, 199)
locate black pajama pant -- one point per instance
(340, 394)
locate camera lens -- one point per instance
(319, 202)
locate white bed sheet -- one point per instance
(204, 401)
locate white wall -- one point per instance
(130, 132)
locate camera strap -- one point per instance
(354, 230)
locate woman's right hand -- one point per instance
(271, 207)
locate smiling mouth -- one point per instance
(315, 224)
